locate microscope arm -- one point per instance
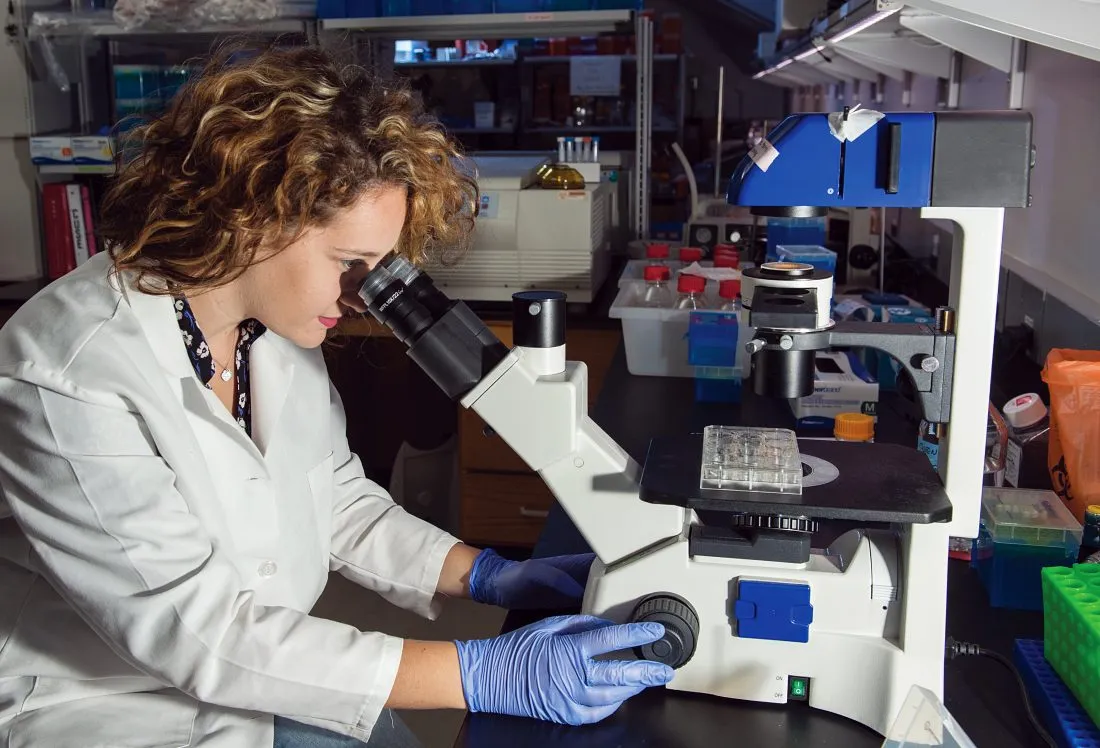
(927, 354)
(538, 403)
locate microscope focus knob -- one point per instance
(681, 624)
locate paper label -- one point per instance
(763, 154)
(595, 75)
(1013, 457)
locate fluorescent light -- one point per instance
(813, 50)
(778, 66)
(855, 28)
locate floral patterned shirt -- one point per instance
(206, 368)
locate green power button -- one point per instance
(798, 688)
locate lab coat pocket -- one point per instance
(163, 719)
(320, 481)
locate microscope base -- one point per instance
(860, 655)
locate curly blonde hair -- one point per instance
(255, 151)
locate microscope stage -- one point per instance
(841, 480)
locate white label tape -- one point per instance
(763, 154)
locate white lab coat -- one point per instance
(157, 566)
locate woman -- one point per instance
(176, 478)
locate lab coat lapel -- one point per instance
(272, 373)
(157, 316)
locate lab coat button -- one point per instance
(267, 569)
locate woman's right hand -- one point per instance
(547, 671)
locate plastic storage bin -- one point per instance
(656, 340)
(1071, 630)
(795, 231)
(1022, 532)
(819, 257)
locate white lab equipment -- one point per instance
(527, 237)
(753, 608)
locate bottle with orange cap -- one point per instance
(854, 427)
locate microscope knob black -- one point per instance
(681, 624)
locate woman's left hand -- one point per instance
(553, 583)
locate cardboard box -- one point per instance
(52, 150)
(92, 149)
(841, 385)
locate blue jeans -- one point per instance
(389, 732)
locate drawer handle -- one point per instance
(533, 513)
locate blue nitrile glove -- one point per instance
(546, 670)
(539, 583)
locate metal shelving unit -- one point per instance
(480, 62)
(485, 25)
(94, 27)
(76, 169)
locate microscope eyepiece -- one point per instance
(389, 300)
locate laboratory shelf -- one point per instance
(474, 63)
(99, 24)
(593, 130)
(75, 168)
(486, 25)
(546, 59)
(481, 130)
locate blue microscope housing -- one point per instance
(905, 160)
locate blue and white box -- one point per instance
(841, 385)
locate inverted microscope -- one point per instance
(715, 535)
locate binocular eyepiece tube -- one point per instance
(447, 340)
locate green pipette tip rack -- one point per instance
(1071, 630)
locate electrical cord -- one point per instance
(957, 649)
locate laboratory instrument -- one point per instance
(527, 237)
(752, 608)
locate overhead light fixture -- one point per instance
(859, 26)
(777, 66)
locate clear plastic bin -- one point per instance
(745, 458)
(1022, 532)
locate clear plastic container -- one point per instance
(924, 721)
(817, 256)
(1022, 532)
(657, 293)
(750, 459)
(795, 231)
(692, 290)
